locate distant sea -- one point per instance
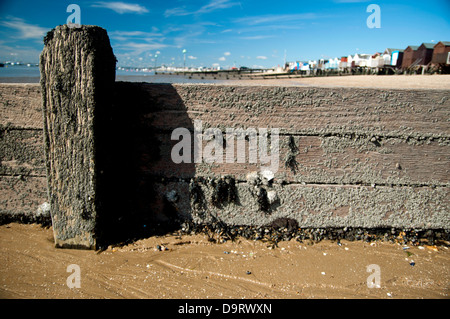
(31, 74)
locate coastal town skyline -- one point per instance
(228, 33)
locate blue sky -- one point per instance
(226, 33)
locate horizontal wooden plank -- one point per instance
(399, 113)
(22, 195)
(391, 113)
(311, 205)
(21, 152)
(318, 160)
(322, 160)
(21, 106)
(318, 205)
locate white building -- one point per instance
(312, 64)
(350, 61)
(391, 56)
(332, 64)
(362, 60)
(376, 61)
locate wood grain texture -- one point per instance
(324, 160)
(405, 114)
(21, 152)
(21, 196)
(364, 157)
(77, 72)
(21, 106)
(319, 206)
(386, 152)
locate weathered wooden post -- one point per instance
(77, 77)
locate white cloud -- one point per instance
(257, 37)
(227, 53)
(222, 58)
(134, 34)
(138, 48)
(176, 12)
(261, 57)
(26, 31)
(121, 7)
(186, 38)
(192, 57)
(136, 43)
(271, 18)
(213, 5)
(216, 5)
(19, 53)
(149, 37)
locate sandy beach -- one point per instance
(192, 267)
(360, 81)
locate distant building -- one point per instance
(293, 66)
(376, 61)
(362, 60)
(332, 64)
(304, 66)
(397, 58)
(441, 53)
(355, 60)
(424, 54)
(299, 66)
(409, 56)
(322, 63)
(312, 64)
(343, 63)
(393, 57)
(350, 61)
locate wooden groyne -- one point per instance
(348, 157)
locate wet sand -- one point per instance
(192, 267)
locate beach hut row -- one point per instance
(426, 55)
